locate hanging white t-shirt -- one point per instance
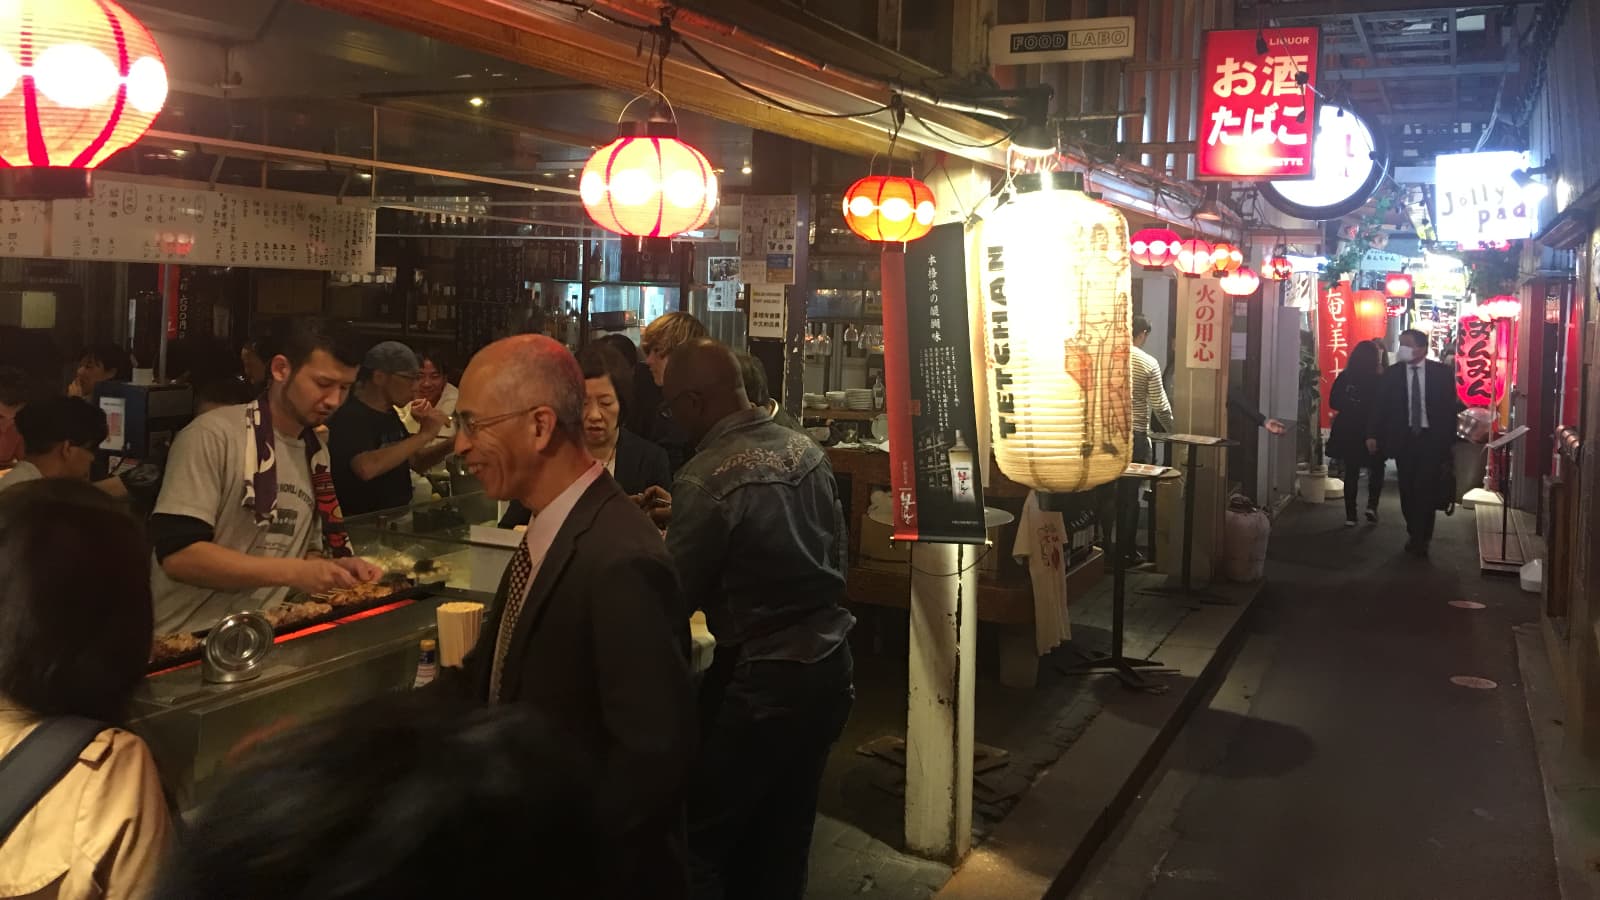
(1042, 541)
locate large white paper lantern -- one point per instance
(1053, 271)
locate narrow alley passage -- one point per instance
(1339, 759)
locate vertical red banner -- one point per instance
(1346, 318)
(167, 279)
(1257, 108)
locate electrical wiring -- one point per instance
(765, 98)
(944, 136)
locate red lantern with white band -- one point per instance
(1154, 248)
(889, 208)
(1397, 285)
(79, 81)
(1194, 258)
(1241, 282)
(1225, 257)
(649, 184)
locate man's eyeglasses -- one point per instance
(469, 424)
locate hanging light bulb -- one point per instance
(1241, 282)
(1154, 248)
(1194, 258)
(79, 81)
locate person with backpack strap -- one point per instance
(82, 813)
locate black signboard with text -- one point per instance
(933, 440)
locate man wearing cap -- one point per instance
(369, 444)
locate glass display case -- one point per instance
(450, 537)
(195, 728)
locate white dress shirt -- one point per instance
(1421, 370)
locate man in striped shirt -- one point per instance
(1149, 401)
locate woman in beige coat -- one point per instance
(75, 622)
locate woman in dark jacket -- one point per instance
(634, 462)
(1354, 397)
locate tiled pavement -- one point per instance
(856, 848)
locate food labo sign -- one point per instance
(1478, 201)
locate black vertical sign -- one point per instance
(933, 440)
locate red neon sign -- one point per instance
(1347, 318)
(1256, 117)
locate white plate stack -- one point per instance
(859, 399)
(815, 401)
(837, 399)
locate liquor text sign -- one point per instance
(933, 430)
(1257, 109)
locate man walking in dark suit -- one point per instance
(1414, 424)
(587, 627)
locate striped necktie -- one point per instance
(516, 596)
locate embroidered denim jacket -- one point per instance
(758, 537)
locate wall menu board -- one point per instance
(128, 221)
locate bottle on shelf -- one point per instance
(878, 392)
(427, 664)
(961, 472)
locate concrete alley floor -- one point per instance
(1338, 760)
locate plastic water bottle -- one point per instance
(427, 664)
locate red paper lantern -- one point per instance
(1154, 248)
(1194, 258)
(1241, 283)
(889, 208)
(647, 183)
(1397, 285)
(1278, 268)
(1226, 258)
(1500, 308)
(79, 81)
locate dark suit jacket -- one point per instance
(1391, 418)
(640, 464)
(601, 649)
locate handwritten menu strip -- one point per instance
(135, 222)
(24, 227)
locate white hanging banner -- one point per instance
(1204, 321)
(135, 221)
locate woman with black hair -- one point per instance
(87, 817)
(1354, 397)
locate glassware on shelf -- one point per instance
(825, 343)
(852, 335)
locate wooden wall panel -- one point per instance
(1164, 75)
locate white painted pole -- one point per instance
(939, 719)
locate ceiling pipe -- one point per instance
(264, 152)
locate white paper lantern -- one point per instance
(1053, 271)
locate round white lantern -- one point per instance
(1053, 270)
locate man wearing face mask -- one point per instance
(1414, 424)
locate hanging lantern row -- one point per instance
(1241, 282)
(1154, 248)
(1398, 285)
(1225, 258)
(79, 81)
(1194, 258)
(1278, 268)
(889, 208)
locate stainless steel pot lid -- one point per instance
(237, 647)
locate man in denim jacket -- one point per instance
(758, 539)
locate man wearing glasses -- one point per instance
(369, 445)
(587, 628)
